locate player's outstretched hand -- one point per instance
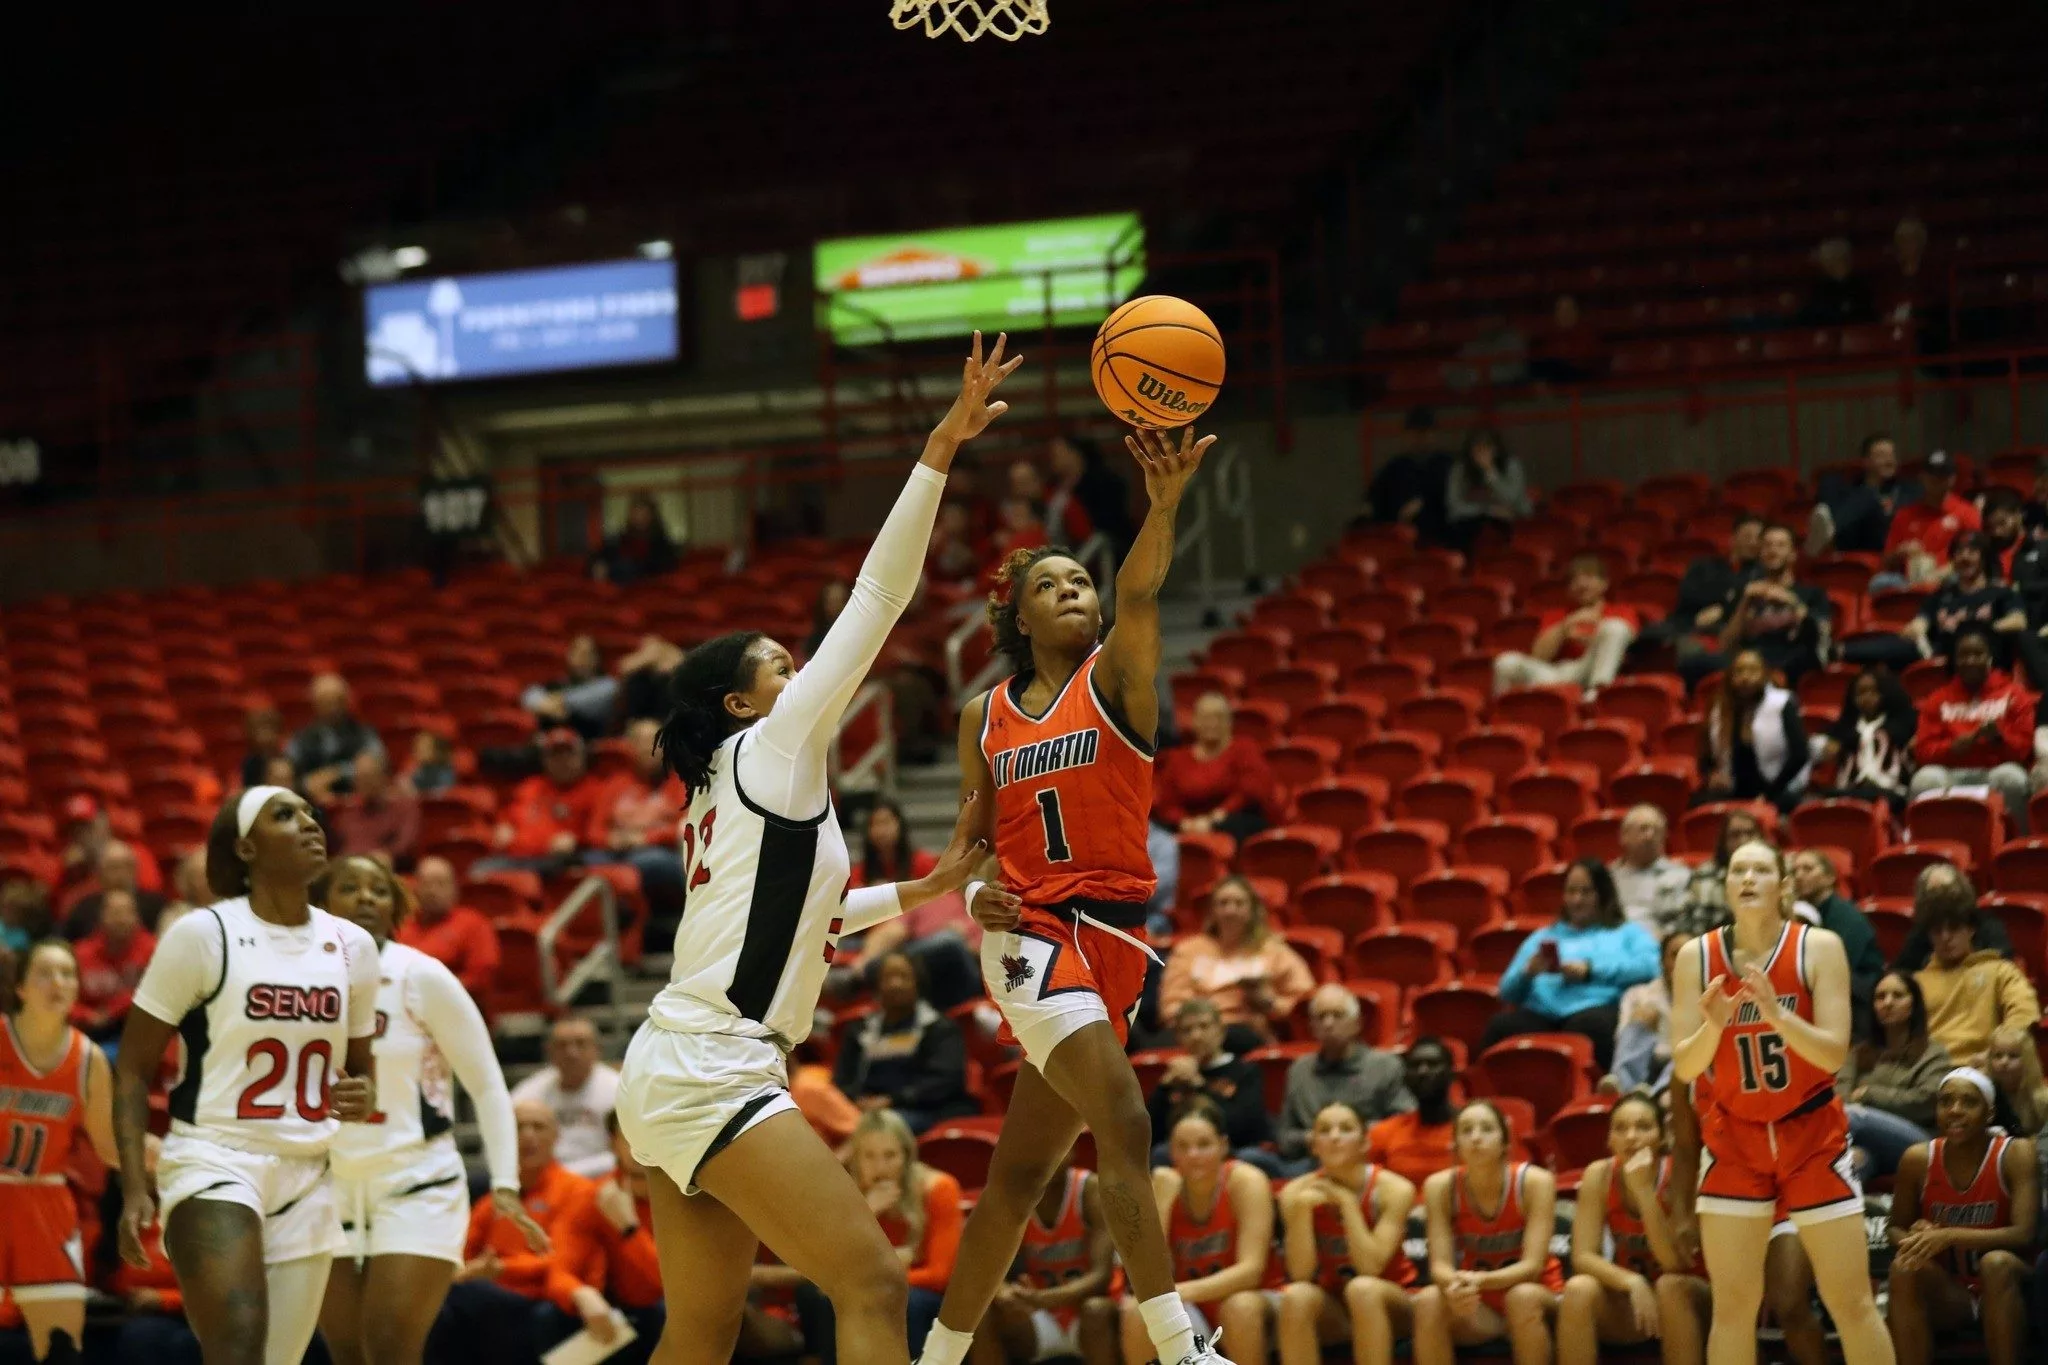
(1168, 468)
(971, 411)
(964, 852)
(1716, 1004)
(138, 1214)
(353, 1098)
(505, 1203)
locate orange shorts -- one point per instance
(42, 1254)
(1052, 976)
(1796, 1168)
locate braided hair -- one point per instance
(1012, 643)
(697, 719)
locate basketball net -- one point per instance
(1006, 19)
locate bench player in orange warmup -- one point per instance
(1059, 759)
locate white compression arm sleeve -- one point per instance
(867, 906)
(458, 1029)
(782, 762)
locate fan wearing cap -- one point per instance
(543, 825)
(1918, 546)
(276, 1002)
(1963, 1215)
(87, 832)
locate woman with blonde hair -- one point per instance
(1237, 963)
(2014, 1065)
(918, 1207)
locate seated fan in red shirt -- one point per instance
(1218, 783)
(1916, 550)
(1584, 645)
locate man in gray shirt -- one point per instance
(1651, 884)
(1342, 1068)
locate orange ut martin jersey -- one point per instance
(1073, 795)
(1755, 1075)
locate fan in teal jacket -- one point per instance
(1569, 976)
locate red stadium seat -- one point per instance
(1291, 854)
(1541, 894)
(1439, 639)
(1518, 844)
(1348, 718)
(1192, 685)
(1386, 608)
(1597, 835)
(1395, 756)
(1392, 680)
(1562, 791)
(1247, 652)
(1968, 820)
(1699, 829)
(1894, 871)
(1274, 1061)
(1456, 1009)
(1502, 750)
(961, 1150)
(1303, 760)
(1546, 1069)
(1653, 784)
(1405, 849)
(1607, 746)
(1379, 1008)
(1320, 946)
(1345, 803)
(1350, 902)
(1577, 1135)
(1481, 602)
(1548, 710)
(1204, 861)
(1453, 799)
(1297, 612)
(2021, 865)
(1409, 955)
(1862, 827)
(1890, 923)
(1492, 951)
(1297, 688)
(1445, 713)
(1262, 720)
(2026, 923)
(1340, 578)
(1468, 899)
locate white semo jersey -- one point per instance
(429, 1034)
(762, 914)
(266, 1012)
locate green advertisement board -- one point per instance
(904, 286)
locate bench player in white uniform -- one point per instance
(399, 1180)
(703, 1095)
(276, 1001)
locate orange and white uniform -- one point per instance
(42, 1254)
(1631, 1240)
(1494, 1241)
(1983, 1203)
(1333, 1250)
(1772, 1131)
(1054, 1253)
(1073, 794)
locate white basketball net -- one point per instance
(1006, 19)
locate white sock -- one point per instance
(944, 1346)
(1167, 1323)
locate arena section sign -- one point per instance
(511, 322)
(903, 287)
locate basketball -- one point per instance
(1157, 361)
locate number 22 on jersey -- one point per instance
(697, 839)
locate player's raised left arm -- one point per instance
(1128, 670)
(1825, 1041)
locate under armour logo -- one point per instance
(245, 943)
(1016, 971)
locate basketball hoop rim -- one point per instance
(971, 19)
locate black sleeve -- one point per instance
(1160, 1107)
(1914, 952)
(941, 1067)
(1702, 586)
(1244, 1111)
(849, 1066)
(1795, 749)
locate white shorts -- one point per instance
(684, 1097)
(419, 1207)
(1056, 1338)
(291, 1194)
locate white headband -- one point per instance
(1976, 1078)
(251, 805)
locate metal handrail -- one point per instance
(874, 770)
(602, 961)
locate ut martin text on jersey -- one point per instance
(1074, 750)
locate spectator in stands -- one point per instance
(614, 1241)
(582, 698)
(433, 764)
(1568, 977)
(905, 1055)
(1488, 490)
(2005, 531)
(1890, 1079)
(2035, 513)
(264, 728)
(1650, 882)
(1217, 783)
(154, 1328)
(188, 883)
(1871, 742)
(634, 822)
(1240, 964)
(1753, 746)
(1205, 1067)
(953, 557)
(542, 827)
(1770, 611)
(1583, 646)
(1408, 488)
(1923, 531)
(490, 1311)
(824, 1105)
(110, 963)
(87, 833)
(1341, 1070)
(940, 936)
(324, 752)
(381, 816)
(2014, 1065)
(1642, 1037)
(24, 912)
(1930, 894)
(832, 598)
(642, 548)
(1709, 582)
(1017, 528)
(919, 1209)
(1907, 287)
(1858, 519)
(1416, 1144)
(1706, 899)
(1971, 992)
(1570, 350)
(1817, 883)
(1838, 296)
(579, 1091)
(1060, 516)
(1081, 476)
(643, 678)
(1977, 730)
(458, 937)
(1970, 594)
(119, 869)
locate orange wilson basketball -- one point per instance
(1158, 361)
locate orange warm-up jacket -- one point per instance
(555, 1199)
(629, 1268)
(942, 1223)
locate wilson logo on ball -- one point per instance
(1156, 392)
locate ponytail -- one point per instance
(697, 719)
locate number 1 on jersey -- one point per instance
(1056, 850)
